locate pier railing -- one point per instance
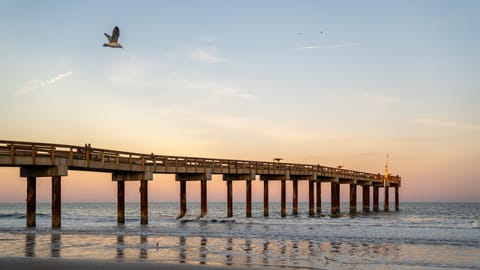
(17, 153)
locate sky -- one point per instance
(315, 82)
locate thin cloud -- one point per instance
(333, 46)
(218, 88)
(141, 73)
(380, 99)
(30, 87)
(445, 124)
(207, 55)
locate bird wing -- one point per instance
(115, 34)
(108, 37)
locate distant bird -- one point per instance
(113, 39)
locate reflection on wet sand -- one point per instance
(203, 250)
(182, 249)
(143, 247)
(120, 248)
(248, 249)
(30, 245)
(207, 250)
(228, 258)
(265, 252)
(55, 245)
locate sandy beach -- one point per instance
(72, 264)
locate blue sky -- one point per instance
(252, 80)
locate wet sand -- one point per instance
(73, 264)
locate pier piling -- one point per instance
(386, 200)
(366, 198)
(319, 198)
(295, 198)
(375, 198)
(229, 199)
(335, 204)
(249, 199)
(121, 202)
(203, 197)
(283, 200)
(311, 199)
(397, 199)
(143, 202)
(265, 198)
(56, 202)
(353, 198)
(183, 199)
(31, 201)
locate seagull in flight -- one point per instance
(113, 39)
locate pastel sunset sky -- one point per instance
(328, 82)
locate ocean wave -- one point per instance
(12, 215)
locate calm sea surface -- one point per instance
(419, 236)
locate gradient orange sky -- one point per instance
(310, 81)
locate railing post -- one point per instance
(33, 154)
(12, 153)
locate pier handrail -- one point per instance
(87, 153)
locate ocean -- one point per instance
(419, 236)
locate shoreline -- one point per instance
(18, 263)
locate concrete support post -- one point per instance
(183, 199)
(335, 192)
(229, 199)
(121, 202)
(265, 198)
(375, 198)
(366, 198)
(31, 201)
(203, 197)
(386, 200)
(295, 198)
(353, 198)
(249, 199)
(56, 202)
(397, 199)
(283, 200)
(319, 198)
(143, 202)
(311, 199)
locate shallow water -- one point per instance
(420, 236)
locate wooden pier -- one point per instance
(55, 160)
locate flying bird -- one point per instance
(113, 39)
